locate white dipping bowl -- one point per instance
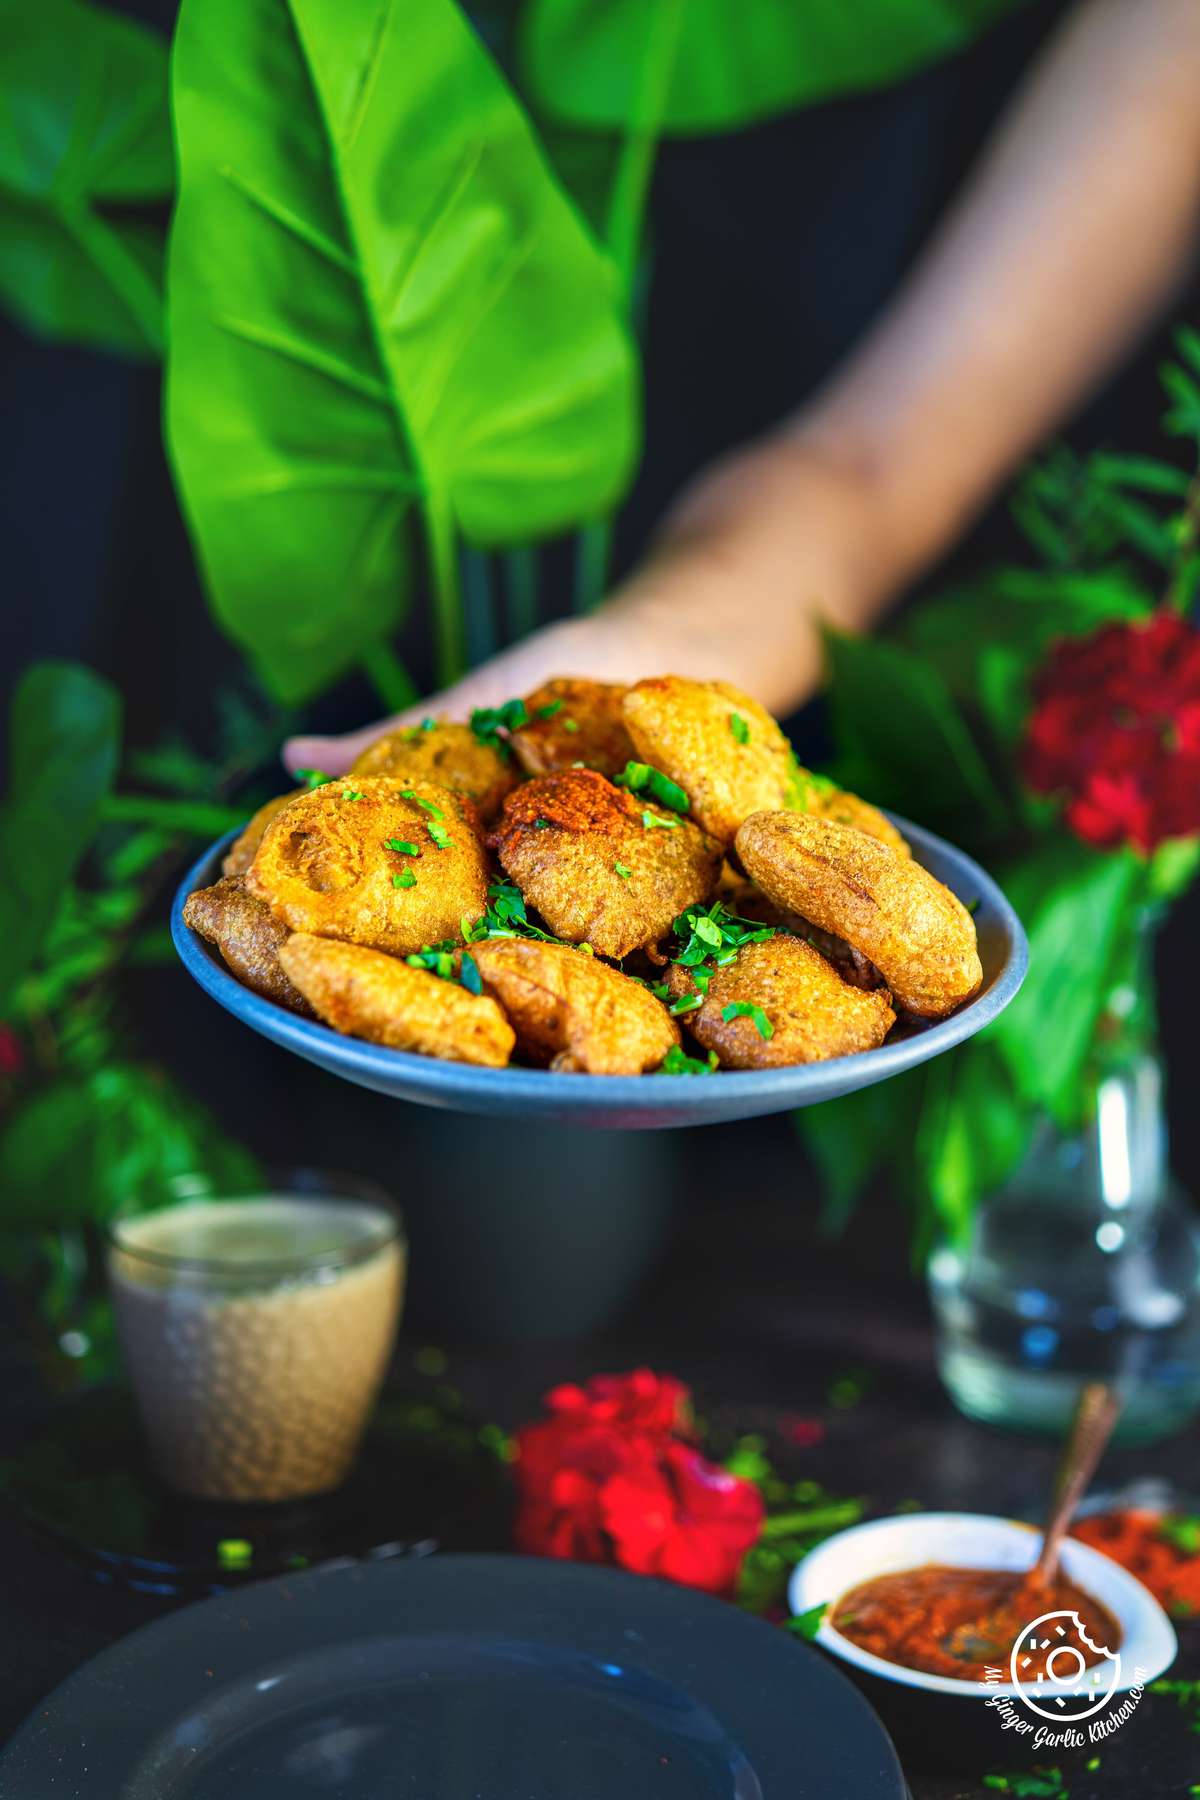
(916, 1704)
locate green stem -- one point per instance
(592, 546)
(812, 1518)
(639, 147)
(442, 540)
(389, 677)
(1182, 585)
(521, 571)
(478, 604)
(199, 818)
(141, 296)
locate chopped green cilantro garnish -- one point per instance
(739, 728)
(404, 846)
(439, 834)
(405, 879)
(713, 932)
(685, 1004)
(620, 869)
(570, 724)
(313, 778)
(428, 724)
(235, 1553)
(806, 1624)
(437, 958)
(746, 1009)
(702, 976)
(428, 805)
(351, 794)
(541, 824)
(639, 777)
(651, 823)
(505, 918)
(487, 722)
(548, 711)
(469, 974)
(660, 990)
(678, 1062)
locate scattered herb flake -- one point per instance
(641, 777)
(548, 711)
(806, 1624)
(439, 834)
(678, 1062)
(620, 869)
(746, 1009)
(430, 806)
(313, 778)
(650, 822)
(570, 724)
(405, 879)
(404, 846)
(739, 728)
(487, 722)
(351, 794)
(541, 824)
(469, 974)
(235, 1553)
(685, 1004)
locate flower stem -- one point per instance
(812, 1518)
(199, 818)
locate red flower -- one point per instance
(683, 1518)
(607, 1478)
(640, 1401)
(12, 1057)
(1116, 732)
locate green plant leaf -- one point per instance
(64, 730)
(850, 1139)
(380, 300)
(86, 1146)
(85, 141)
(582, 59)
(1145, 473)
(915, 753)
(973, 1130)
(1074, 902)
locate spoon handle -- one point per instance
(1095, 1416)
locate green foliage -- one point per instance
(85, 143)
(583, 60)
(917, 745)
(973, 1131)
(851, 1139)
(379, 299)
(121, 1135)
(1075, 903)
(63, 742)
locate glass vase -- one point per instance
(1085, 1264)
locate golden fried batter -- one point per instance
(586, 726)
(915, 931)
(725, 750)
(326, 864)
(448, 754)
(825, 800)
(369, 995)
(240, 853)
(581, 853)
(813, 1014)
(247, 936)
(574, 1012)
(747, 900)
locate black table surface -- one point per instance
(763, 1319)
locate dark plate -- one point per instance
(631, 1102)
(455, 1678)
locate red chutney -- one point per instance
(960, 1622)
(1161, 1549)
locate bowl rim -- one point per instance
(450, 1083)
(1140, 1605)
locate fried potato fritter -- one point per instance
(240, 853)
(450, 755)
(248, 937)
(368, 994)
(812, 1012)
(574, 1012)
(746, 899)
(581, 853)
(916, 932)
(825, 800)
(586, 726)
(722, 748)
(326, 864)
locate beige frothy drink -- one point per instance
(256, 1334)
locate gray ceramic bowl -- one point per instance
(631, 1102)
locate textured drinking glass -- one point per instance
(256, 1330)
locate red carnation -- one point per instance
(1116, 732)
(608, 1478)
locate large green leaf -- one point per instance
(379, 297)
(906, 742)
(973, 1130)
(1075, 903)
(738, 60)
(64, 732)
(84, 137)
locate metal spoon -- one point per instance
(1096, 1415)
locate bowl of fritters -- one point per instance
(622, 907)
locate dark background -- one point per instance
(772, 249)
